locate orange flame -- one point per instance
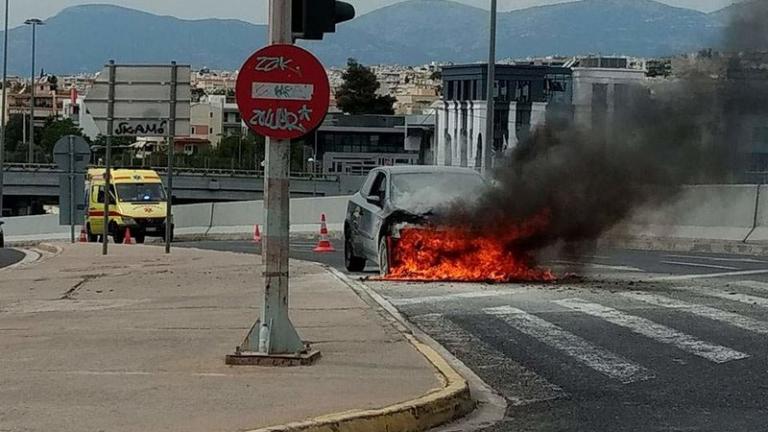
(455, 254)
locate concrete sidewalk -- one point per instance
(136, 342)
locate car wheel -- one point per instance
(117, 235)
(351, 262)
(140, 238)
(92, 238)
(383, 257)
(2, 240)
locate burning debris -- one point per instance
(568, 184)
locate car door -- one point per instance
(371, 216)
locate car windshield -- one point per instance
(140, 192)
(423, 192)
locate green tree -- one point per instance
(357, 94)
(14, 132)
(53, 130)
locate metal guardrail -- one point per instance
(179, 171)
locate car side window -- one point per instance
(100, 195)
(379, 187)
(366, 189)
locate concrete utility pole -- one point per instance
(2, 110)
(487, 154)
(34, 22)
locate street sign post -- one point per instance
(72, 154)
(146, 101)
(283, 93)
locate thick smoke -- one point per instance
(677, 131)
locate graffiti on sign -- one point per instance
(282, 119)
(143, 127)
(269, 64)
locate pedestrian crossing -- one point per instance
(626, 312)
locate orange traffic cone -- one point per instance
(324, 245)
(256, 234)
(127, 239)
(83, 236)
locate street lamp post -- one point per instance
(34, 22)
(2, 110)
(487, 149)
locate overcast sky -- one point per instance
(255, 10)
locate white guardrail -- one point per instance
(733, 213)
(199, 220)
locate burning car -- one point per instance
(395, 197)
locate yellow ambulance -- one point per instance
(137, 201)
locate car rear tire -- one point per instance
(383, 257)
(140, 238)
(2, 240)
(351, 262)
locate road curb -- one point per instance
(686, 245)
(431, 410)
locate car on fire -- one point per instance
(392, 197)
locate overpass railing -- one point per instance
(202, 172)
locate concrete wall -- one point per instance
(708, 213)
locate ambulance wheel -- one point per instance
(117, 235)
(92, 238)
(140, 238)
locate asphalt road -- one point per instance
(645, 341)
(9, 256)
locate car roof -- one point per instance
(426, 169)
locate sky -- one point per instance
(256, 10)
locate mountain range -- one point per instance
(83, 38)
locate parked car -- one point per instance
(393, 196)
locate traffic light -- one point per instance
(313, 18)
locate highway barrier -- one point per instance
(735, 217)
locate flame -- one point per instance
(456, 254)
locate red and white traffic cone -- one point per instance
(83, 235)
(256, 234)
(324, 245)
(127, 239)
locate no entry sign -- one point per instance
(283, 92)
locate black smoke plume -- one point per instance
(675, 131)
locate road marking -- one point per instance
(520, 385)
(599, 266)
(726, 317)
(737, 297)
(744, 260)
(706, 275)
(603, 361)
(689, 264)
(761, 286)
(450, 297)
(655, 331)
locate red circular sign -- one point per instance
(283, 92)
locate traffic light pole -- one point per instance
(273, 340)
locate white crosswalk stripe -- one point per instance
(726, 317)
(655, 331)
(520, 385)
(727, 295)
(601, 360)
(451, 297)
(757, 285)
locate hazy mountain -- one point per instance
(83, 38)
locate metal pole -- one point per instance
(487, 163)
(2, 110)
(276, 333)
(108, 155)
(171, 135)
(31, 151)
(72, 203)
